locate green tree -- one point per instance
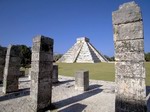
(112, 58)
(147, 56)
(109, 58)
(56, 57)
(25, 54)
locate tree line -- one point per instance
(25, 55)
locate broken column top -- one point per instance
(43, 39)
(128, 12)
(83, 39)
(42, 44)
(13, 50)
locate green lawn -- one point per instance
(97, 71)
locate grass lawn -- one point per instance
(97, 71)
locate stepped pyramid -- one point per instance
(82, 52)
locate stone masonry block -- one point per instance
(82, 80)
(42, 39)
(41, 66)
(128, 31)
(14, 60)
(55, 73)
(131, 88)
(29, 75)
(10, 84)
(1, 73)
(12, 69)
(46, 77)
(42, 44)
(130, 56)
(130, 69)
(41, 88)
(2, 61)
(42, 57)
(129, 46)
(37, 47)
(45, 86)
(41, 72)
(3, 51)
(33, 89)
(128, 12)
(13, 51)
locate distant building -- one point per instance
(82, 52)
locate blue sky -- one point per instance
(64, 21)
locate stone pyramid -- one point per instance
(82, 52)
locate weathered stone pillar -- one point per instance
(55, 74)
(29, 75)
(2, 62)
(41, 72)
(82, 80)
(12, 69)
(129, 56)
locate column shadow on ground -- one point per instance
(17, 94)
(1, 84)
(74, 108)
(62, 82)
(93, 90)
(94, 86)
(148, 98)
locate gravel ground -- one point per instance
(99, 98)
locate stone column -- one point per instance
(12, 69)
(129, 56)
(41, 72)
(2, 62)
(55, 74)
(29, 75)
(82, 80)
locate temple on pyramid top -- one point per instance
(83, 39)
(82, 52)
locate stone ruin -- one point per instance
(82, 52)
(41, 72)
(129, 65)
(2, 61)
(11, 70)
(82, 80)
(55, 74)
(129, 56)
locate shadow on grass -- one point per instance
(17, 94)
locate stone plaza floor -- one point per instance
(99, 98)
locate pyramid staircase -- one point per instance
(82, 52)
